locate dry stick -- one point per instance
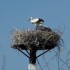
(43, 55)
(67, 55)
(39, 65)
(63, 62)
(45, 62)
(58, 54)
(45, 51)
(52, 57)
(44, 58)
(67, 60)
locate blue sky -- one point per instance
(15, 13)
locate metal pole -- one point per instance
(32, 67)
(32, 60)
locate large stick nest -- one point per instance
(36, 39)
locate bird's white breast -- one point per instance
(34, 20)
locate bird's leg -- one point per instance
(37, 25)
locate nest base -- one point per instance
(35, 39)
(22, 47)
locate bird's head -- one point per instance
(30, 18)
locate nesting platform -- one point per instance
(35, 39)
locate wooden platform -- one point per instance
(40, 47)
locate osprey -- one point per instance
(36, 21)
(43, 28)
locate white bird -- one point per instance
(36, 21)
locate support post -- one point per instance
(32, 60)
